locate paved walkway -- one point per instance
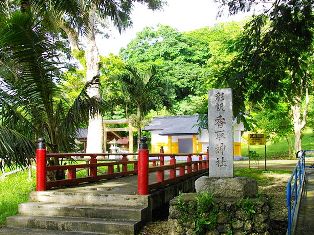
(305, 223)
(124, 185)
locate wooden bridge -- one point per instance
(102, 196)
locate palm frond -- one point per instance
(14, 117)
(35, 71)
(78, 114)
(15, 149)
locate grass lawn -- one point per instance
(279, 149)
(14, 189)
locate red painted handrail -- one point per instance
(147, 163)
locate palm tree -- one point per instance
(91, 17)
(31, 102)
(144, 91)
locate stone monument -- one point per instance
(220, 133)
(220, 181)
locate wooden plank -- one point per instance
(118, 121)
(119, 129)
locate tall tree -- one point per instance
(144, 91)
(31, 103)
(275, 60)
(275, 122)
(181, 58)
(90, 17)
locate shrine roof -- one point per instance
(174, 125)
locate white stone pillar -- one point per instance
(220, 120)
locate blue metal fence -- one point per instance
(294, 191)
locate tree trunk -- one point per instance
(289, 146)
(299, 119)
(95, 125)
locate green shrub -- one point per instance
(201, 212)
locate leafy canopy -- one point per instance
(31, 102)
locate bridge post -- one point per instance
(110, 169)
(161, 174)
(41, 167)
(189, 167)
(195, 167)
(93, 169)
(71, 174)
(142, 177)
(204, 162)
(172, 173)
(124, 161)
(200, 165)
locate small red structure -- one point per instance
(41, 161)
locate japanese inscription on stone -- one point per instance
(220, 133)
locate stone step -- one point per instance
(89, 211)
(75, 224)
(30, 231)
(89, 198)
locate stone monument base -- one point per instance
(236, 187)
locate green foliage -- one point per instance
(274, 61)
(180, 58)
(248, 206)
(275, 121)
(201, 212)
(14, 189)
(185, 209)
(72, 84)
(253, 155)
(189, 61)
(31, 102)
(144, 90)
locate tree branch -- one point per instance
(72, 36)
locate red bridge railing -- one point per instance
(168, 168)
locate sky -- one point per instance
(184, 15)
